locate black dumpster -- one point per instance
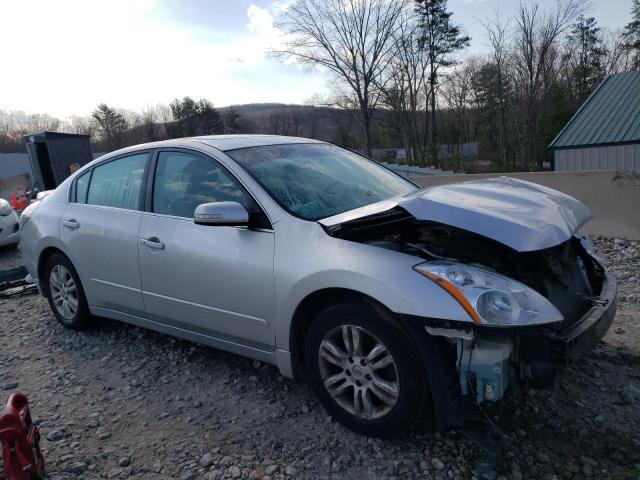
(54, 156)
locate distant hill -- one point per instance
(322, 123)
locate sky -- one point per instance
(63, 57)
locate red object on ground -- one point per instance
(20, 441)
(14, 201)
(22, 199)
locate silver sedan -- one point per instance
(390, 300)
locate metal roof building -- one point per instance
(604, 134)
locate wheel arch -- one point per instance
(308, 309)
(44, 257)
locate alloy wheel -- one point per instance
(359, 372)
(64, 292)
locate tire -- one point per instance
(357, 385)
(75, 315)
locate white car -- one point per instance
(320, 261)
(9, 224)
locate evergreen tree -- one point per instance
(195, 117)
(209, 118)
(232, 120)
(441, 39)
(184, 114)
(585, 58)
(632, 35)
(110, 126)
(183, 109)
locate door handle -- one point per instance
(152, 242)
(71, 223)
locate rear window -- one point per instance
(114, 184)
(82, 186)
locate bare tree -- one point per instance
(537, 33)
(619, 57)
(351, 38)
(41, 123)
(403, 88)
(456, 93)
(497, 33)
(81, 125)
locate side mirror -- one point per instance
(221, 214)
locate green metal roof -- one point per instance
(610, 115)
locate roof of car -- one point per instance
(233, 142)
(223, 143)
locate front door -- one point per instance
(212, 280)
(100, 230)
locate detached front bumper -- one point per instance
(580, 338)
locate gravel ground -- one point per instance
(119, 402)
(9, 258)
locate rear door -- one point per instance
(100, 230)
(212, 280)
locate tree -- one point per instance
(353, 39)
(456, 94)
(184, 112)
(619, 58)
(441, 39)
(632, 35)
(585, 58)
(110, 126)
(193, 117)
(497, 34)
(537, 33)
(81, 125)
(403, 87)
(208, 118)
(232, 120)
(183, 109)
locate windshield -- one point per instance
(314, 181)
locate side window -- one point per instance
(82, 186)
(183, 181)
(117, 183)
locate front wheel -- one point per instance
(365, 370)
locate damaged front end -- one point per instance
(509, 253)
(492, 357)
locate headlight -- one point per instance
(491, 299)
(5, 208)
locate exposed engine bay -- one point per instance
(488, 362)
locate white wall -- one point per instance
(613, 198)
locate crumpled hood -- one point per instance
(522, 215)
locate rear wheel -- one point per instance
(365, 370)
(63, 289)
